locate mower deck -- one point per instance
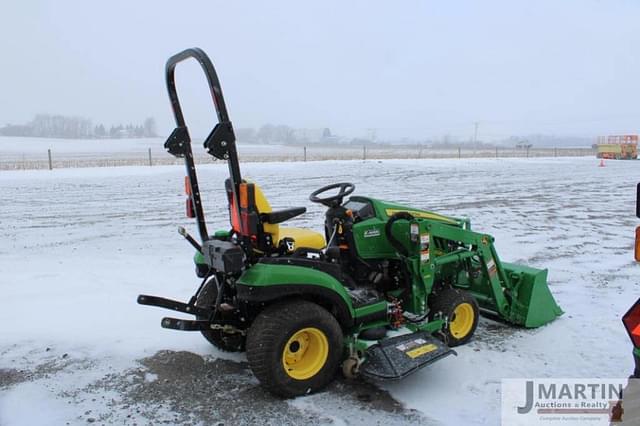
(397, 357)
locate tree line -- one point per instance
(283, 134)
(68, 127)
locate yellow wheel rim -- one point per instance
(305, 353)
(462, 321)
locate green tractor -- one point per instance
(387, 290)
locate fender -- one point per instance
(267, 282)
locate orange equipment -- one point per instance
(620, 147)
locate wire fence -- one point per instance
(49, 159)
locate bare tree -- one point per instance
(150, 129)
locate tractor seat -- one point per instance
(271, 223)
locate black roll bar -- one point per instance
(221, 142)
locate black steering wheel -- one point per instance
(345, 188)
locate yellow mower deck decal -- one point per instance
(421, 215)
(416, 347)
(421, 350)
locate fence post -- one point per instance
(496, 152)
(527, 152)
(459, 153)
(50, 162)
(305, 153)
(150, 161)
(364, 152)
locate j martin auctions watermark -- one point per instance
(570, 401)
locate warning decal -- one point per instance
(491, 267)
(425, 349)
(416, 348)
(404, 347)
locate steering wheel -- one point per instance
(345, 188)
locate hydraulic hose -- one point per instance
(400, 248)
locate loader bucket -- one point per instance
(534, 304)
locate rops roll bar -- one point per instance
(221, 142)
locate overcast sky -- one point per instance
(406, 68)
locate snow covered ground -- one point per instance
(32, 153)
(27, 147)
(78, 245)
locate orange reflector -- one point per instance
(235, 216)
(631, 321)
(187, 186)
(190, 211)
(244, 196)
(637, 250)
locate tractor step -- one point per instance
(397, 357)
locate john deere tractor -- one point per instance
(384, 291)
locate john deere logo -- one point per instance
(373, 232)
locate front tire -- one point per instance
(462, 313)
(294, 348)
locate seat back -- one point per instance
(265, 237)
(245, 218)
(263, 206)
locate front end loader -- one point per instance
(384, 291)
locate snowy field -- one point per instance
(18, 153)
(78, 245)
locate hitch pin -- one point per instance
(189, 238)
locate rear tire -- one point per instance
(462, 313)
(223, 341)
(294, 348)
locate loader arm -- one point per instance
(480, 246)
(517, 294)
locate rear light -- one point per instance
(187, 186)
(190, 211)
(244, 196)
(637, 250)
(235, 216)
(631, 321)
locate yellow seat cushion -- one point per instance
(302, 237)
